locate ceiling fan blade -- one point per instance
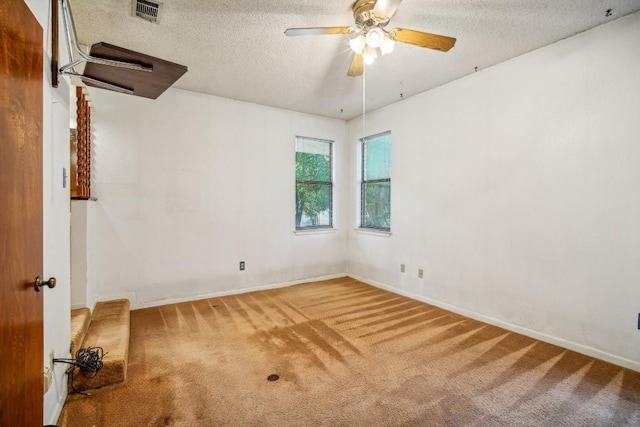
(357, 66)
(317, 31)
(418, 38)
(386, 8)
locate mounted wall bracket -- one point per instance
(74, 47)
(115, 68)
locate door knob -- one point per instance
(51, 283)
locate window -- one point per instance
(314, 185)
(375, 184)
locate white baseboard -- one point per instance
(77, 306)
(570, 345)
(57, 410)
(147, 304)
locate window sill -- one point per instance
(373, 232)
(315, 231)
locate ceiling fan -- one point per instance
(371, 18)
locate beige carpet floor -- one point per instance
(347, 354)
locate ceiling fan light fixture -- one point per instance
(375, 37)
(368, 38)
(387, 45)
(369, 55)
(357, 44)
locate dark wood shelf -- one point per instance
(142, 83)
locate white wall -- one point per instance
(56, 244)
(79, 254)
(188, 185)
(517, 190)
(83, 260)
(55, 150)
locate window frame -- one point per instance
(364, 182)
(329, 183)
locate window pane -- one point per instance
(376, 205)
(377, 157)
(313, 205)
(313, 160)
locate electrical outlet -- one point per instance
(420, 273)
(401, 268)
(241, 265)
(47, 379)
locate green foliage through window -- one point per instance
(376, 182)
(314, 186)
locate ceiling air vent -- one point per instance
(147, 10)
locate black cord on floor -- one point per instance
(89, 360)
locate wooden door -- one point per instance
(21, 336)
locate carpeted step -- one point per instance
(109, 329)
(80, 320)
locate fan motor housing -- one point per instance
(364, 16)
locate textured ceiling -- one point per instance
(237, 48)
